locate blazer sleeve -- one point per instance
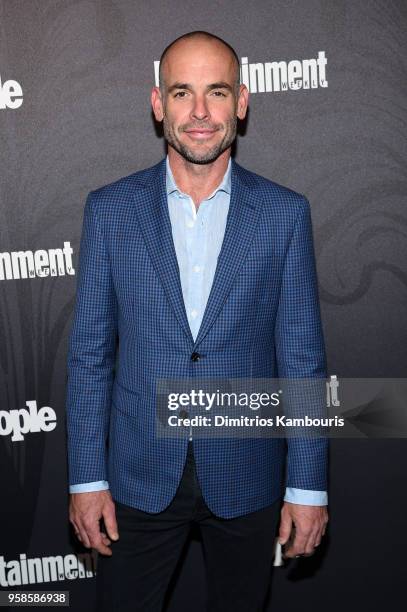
(300, 351)
(91, 356)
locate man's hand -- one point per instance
(310, 525)
(85, 512)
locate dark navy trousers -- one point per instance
(237, 553)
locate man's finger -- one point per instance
(76, 530)
(285, 528)
(109, 519)
(102, 549)
(310, 543)
(105, 539)
(298, 545)
(83, 537)
(96, 541)
(316, 537)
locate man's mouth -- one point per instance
(200, 133)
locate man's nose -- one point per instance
(200, 109)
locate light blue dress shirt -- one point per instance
(198, 236)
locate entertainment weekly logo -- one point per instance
(267, 77)
(17, 423)
(38, 570)
(11, 94)
(15, 265)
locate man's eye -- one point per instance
(182, 94)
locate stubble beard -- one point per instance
(206, 156)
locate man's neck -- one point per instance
(197, 180)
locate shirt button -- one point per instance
(194, 313)
(190, 224)
(196, 268)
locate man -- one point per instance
(199, 268)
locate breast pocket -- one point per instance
(257, 279)
(257, 265)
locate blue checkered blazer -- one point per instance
(130, 328)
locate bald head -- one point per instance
(199, 98)
(203, 41)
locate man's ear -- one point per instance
(156, 103)
(242, 101)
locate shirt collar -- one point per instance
(225, 185)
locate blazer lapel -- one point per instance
(243, 215)
(155, 225)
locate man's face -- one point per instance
(200, 102)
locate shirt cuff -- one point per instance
(88, 487)
(306, 497)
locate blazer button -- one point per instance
(183, 414)
(195, 356)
